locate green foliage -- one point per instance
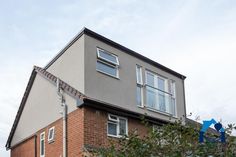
(170, 140)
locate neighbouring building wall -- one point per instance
(122, 92)
(41, 108)
(70, 65)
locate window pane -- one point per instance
(162, 103)
(122, 126)
(172, 106)
(151, 98)
(107, 68)
(112, 129)
(42, 147)
(161, 84)
(108, 56)
(139, 74)
(172, 88)
(138, 96)
(150, 79)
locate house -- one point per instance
(105, 87)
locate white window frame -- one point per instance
(108, 63)
(117, 69)
(173, 95)
(166, 90)
(110, 120)
(100, 57)
(140, 84)
(53, 134)
(40, 144)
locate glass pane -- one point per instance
(42, 147)
(150, 79)
(172, 88)
(122, 126)
(108, 56)
(161, 84)
(138, 96)
(107, 68)
(162, 103)
(151, 98)
(172, 106)
(138, 75)
(112, 129)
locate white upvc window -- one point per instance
(158, 95)
(107, 63)
(139, 88)
(51, 134)
(117, 126)
(42, 144)
(173, 97)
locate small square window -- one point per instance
(117, 126)
(51, 134)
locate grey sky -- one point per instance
(194, 37)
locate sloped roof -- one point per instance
(116, 45)
(51, 78)
(90, 102)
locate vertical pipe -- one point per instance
(64, 117)
(64, 130)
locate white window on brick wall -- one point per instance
(107, 63)
(139, 88)
(42, 144)
(117, 126)
(51, 134)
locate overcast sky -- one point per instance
(196, 38)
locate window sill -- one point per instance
(50, 141)
(118, 136)
(160, 112)
(116, 77)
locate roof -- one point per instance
(84, 101)
(199, 125)
(116, 45)
(51, 78)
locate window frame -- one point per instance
(166, 91)
(40, 145)
(117, 122)
(108, 63)
(139, 84)
(105, 59)
(53, 134)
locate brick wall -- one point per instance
(54, 149)
(86, 126)
(95, 127)
(24, 149)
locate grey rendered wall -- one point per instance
(122, 91)
(70, 66)
(42, 108)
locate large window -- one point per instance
(42, 144)
(107, 63)
(139, 88)
(117, 126)
(158, 95)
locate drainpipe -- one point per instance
(64, 116)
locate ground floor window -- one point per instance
(42, 144)
(117, 126)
